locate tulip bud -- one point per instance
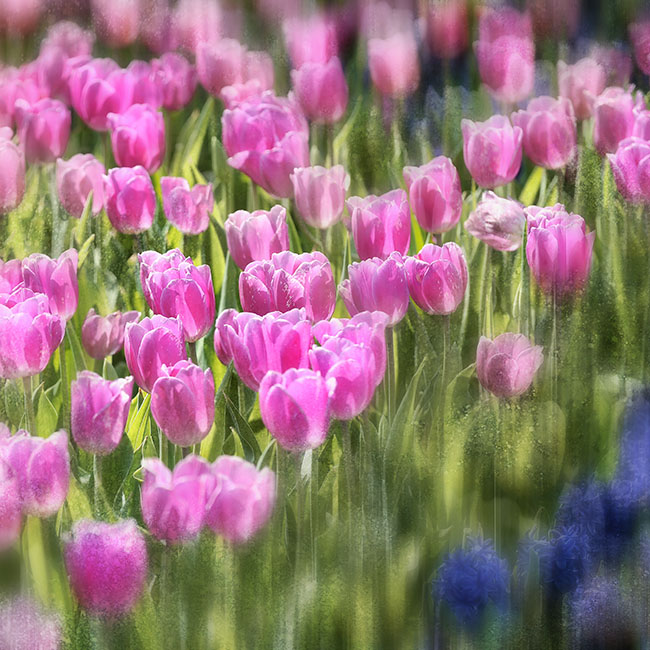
(498, 222)
(435, 194)
(43, 129)
(12, 178)
(380, 225)
(377, 285)
(640, 37)
(130, 199)
(321, 90)
(174, 287)
(255, 236)
(310, 39)
(42, 469)
(506, 366)
(614, 117)
(173, 504)
(320, 194)
(558, 249)
(147, 87)
(220, 64)
(103, 336)
(182, 403)
(549, 128)
(256, 76)
(447, 28)
(243, 501)
(492, 150)
(57, 279)
(295, 407)
(116, 21)
(76, 178)
(150, 344)
(10, 507)
(178, 79)
(631, 169)
(187, 209)
(24, 626)
(107, 565)
(580, 81)
(437, 277)
(99, 411)
(289, 281)
(394, 65)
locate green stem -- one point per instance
(99, 366)
(483, 297)
(65, 386)
(29, 405)
(98, 496)
(443, 391)
(192, 350)
(390, 372)
(330, 144)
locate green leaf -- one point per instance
(212, 444)
(77, 501)
(215, 257)
(108, 372)
(531, 188)
(46, 415)
(82, 226)
(84, 250)
(136, 427)
(189, 154)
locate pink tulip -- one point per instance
(506, 54)
(641, 128)
(157, 28)
(151, 344)
(267, 138)
(12, 88)
(616, 62)
(295, 407)
(99, 87)
(57, 279)
(631, 168)
(187, 209)
(116, 21)
(107, 565)
(220, 64)
(103, 336)
(492, 150)
(320, 194)
(447, 28)
(244, 500)
(10, 509)
(30, 332)
(555, 19)
(69, 38)
(498, 222)
(12, 173)
(435, 194)
(321, 90)
(42, 469)
(506, 366)
(614, 117)
(254, 236)
(549, 128)
(640, 37)
(76, 178)
(11, 275)
(173, 504)
(43, 129)
(177, 78)
(579, 82)
(377, 285)
(288, 281)
(99, 411)
(558, 249)
(25, 626)
(20, 17)
(130, 199)
(147, 86)
(394, 65)
(174, 287)
(380, 225)
(138, 137)
(182, 403)
(259, 344)
(437, 277)
(197, 21)
(310, 39)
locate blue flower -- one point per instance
(634, 457)
(564, 560)
(621, 506)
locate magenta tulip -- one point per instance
(580, 82)
(498, 222)
(219, 64)
(394, 65)
(492, 150)
(12, 173)
(437, 277)
(174, 287)
(196, 21)
(640, 37)
(558, 249)
(177, 78)
(151, 344)
(631, 168)
(641, 128)
(25, 626)
(147, 86)
(259, 344)
(57, 279)
(288, 281)
(42, 469)
(76, 178)
(267, 138)
(257, 76)
(11, 275)
(549, 128)
(130, 199)
(107, 565)
(116, 21)
(310, 39)
(187, 209)
(320, 194)
(380, 225)
(173, 504)
(68, 37)
(447, 28)
(103, 336)
(13, 86)
(99, 411)
(435, 194)
(321, 90)
(377, 285)
(614, 116)
(255, 236)
(295, 407)
(616, 62)
(10, 508)
(506, 366)
(555, 19)
(244, 500)
(43, 129)
(182, 403)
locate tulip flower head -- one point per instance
(187, 209)
(320, 194)
(103, 336)
(498, 222)
(76, 178)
